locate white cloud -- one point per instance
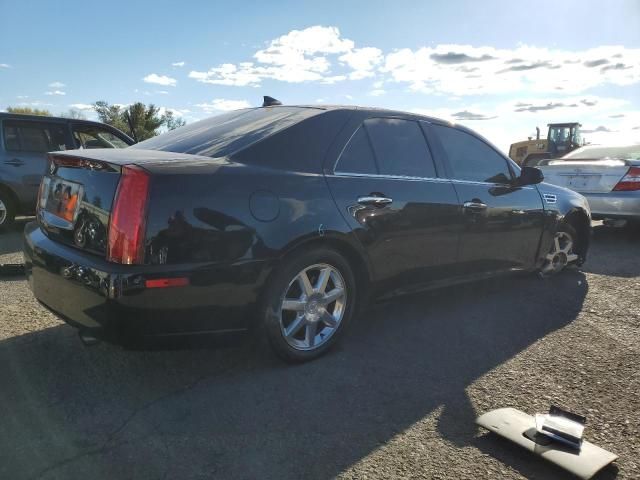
(377, 92)
(223, 105)
(178, 64)
(321, 54)
(467, 70)
(55, 92)
(22, 97)
(162, 92)
(5, 65)
(362, 61)
(160, 80)
(81, 106)
(57, 85)
(177, 112)
(298, 56)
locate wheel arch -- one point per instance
(355, 258)
(11, 194)
(580, 221)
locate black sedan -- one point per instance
(287, 219)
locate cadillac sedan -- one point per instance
(609, 177)
(286, 219)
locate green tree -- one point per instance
(174, 122)
(74, 113)
(138, 120)
(112, 115)
(29, 111)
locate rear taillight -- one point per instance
(631, 181)
(128, 217)
(42, 192)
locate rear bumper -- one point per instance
(614, 205)
(112, 302)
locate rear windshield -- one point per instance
(631, 152)
(228, 133)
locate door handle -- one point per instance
(375, 201)
(16, 162)
(474, 206)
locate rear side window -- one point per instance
(228, 133)
(400, 147)
(357, 157)
(88, 136)
(470, 158)
(33, 136)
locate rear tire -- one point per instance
(303, 320)
(561, 254)
(7, 210)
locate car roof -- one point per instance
(43, 118)
(373, 110)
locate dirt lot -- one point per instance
(397, 400)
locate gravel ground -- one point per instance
(398, 399)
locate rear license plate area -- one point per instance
(62, 199)
(581, 182)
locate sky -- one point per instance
(500, 67)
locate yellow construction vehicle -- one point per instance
(561, 139)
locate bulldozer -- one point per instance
(561, 139)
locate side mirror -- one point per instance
(530, 176)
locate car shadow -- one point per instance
(104, 412)
(607, 245)
(11, 237)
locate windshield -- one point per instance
(630, 152)
(227, 133)
(559, 134)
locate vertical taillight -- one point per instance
(630, 182)
(128, 217)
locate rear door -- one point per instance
(26, 145)
(387, 187)
(502, 222)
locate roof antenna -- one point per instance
(270, 101)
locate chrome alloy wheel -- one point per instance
(313, 306)
(3, 212)
(560, 255)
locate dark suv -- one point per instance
(24, 143)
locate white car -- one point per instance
(609, 177)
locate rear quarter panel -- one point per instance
(240, 213)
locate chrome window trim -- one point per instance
(389, 177)
(493, 184)
(429, 179)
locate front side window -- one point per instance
(94, 137)
(470, 158)
(400, 147)
(33, 137)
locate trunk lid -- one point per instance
(585, 176)
(78, 191)
(75, 200)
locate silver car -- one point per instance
(608, 176)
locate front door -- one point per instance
(502, 222)
(386, 186)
